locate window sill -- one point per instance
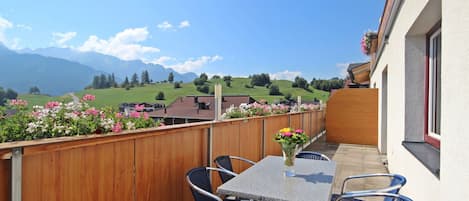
(428, 155)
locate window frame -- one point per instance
(429, 137)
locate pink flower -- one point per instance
(92, 111)
(287, 134)
(52, 104)
(117, 128)
(139, 107)
(89, 97)
(145, 115)
(119, 115)
(36, 114)
(298, 131)
(18, 102)
(135, 114)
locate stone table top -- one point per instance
(266, 181)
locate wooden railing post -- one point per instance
(16, 173)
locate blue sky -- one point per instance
(310, 38)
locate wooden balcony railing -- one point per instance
(148, 164)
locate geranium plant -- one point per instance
(56, 119)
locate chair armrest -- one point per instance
(202, 191)
(243, 159)
(364, 176)
(222, 170)
(357, 195)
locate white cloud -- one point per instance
(4, 25)
(192, 64)
(285, 75)
(343, 69)
(124, 45)
(161, 60)
(184, 24)
(60, 38)
(24, 26)
(165, 26)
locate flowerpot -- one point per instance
(289, 155)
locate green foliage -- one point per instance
(203, 77)
(327, 85)
(274, 90)
(262, 79)
(216, 77)
(126, 83)
(177, 85)
(249, 86)
(57, 119)
(300, 83)
(199, 82)
(159, 96)
(203, 88)
(228, 83)
(171, 77)
(227, 77)
(34, 90)
(134, 80)
(287, 96)
(103, 82)
(145, 77)
(7, 95)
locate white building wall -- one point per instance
(422, 184)
(455, 100)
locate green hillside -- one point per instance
(43, 99)
(114, 96)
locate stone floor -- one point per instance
(353, 159)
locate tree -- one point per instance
(159, 96)
(177, 85)
(227, 77)
(134, 80)
(203, 77)
(11, 94)
(327, 85)
(203, 88)
(228, 83)
(145, 77)
(126, 83)
(300, 83)
(198, 82)
(171, 77)
(274, 90)
(287, 96)
(2, 96)
(260, 79)
(34, 90)
(215, 77)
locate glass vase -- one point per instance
(289, 155)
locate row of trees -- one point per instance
(103, 81)
(7, 95)
(327, 85)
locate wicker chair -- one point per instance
(312, 155)
(224, 162)
(201, 187)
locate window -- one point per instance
(433, 92)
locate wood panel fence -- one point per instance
(149, 164)
(352, 117)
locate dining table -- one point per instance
(266, 181)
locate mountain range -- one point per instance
(61, 70)
(111, 64)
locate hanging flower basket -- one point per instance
(367, 42)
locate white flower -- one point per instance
(130, 125)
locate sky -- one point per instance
(308, 38)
